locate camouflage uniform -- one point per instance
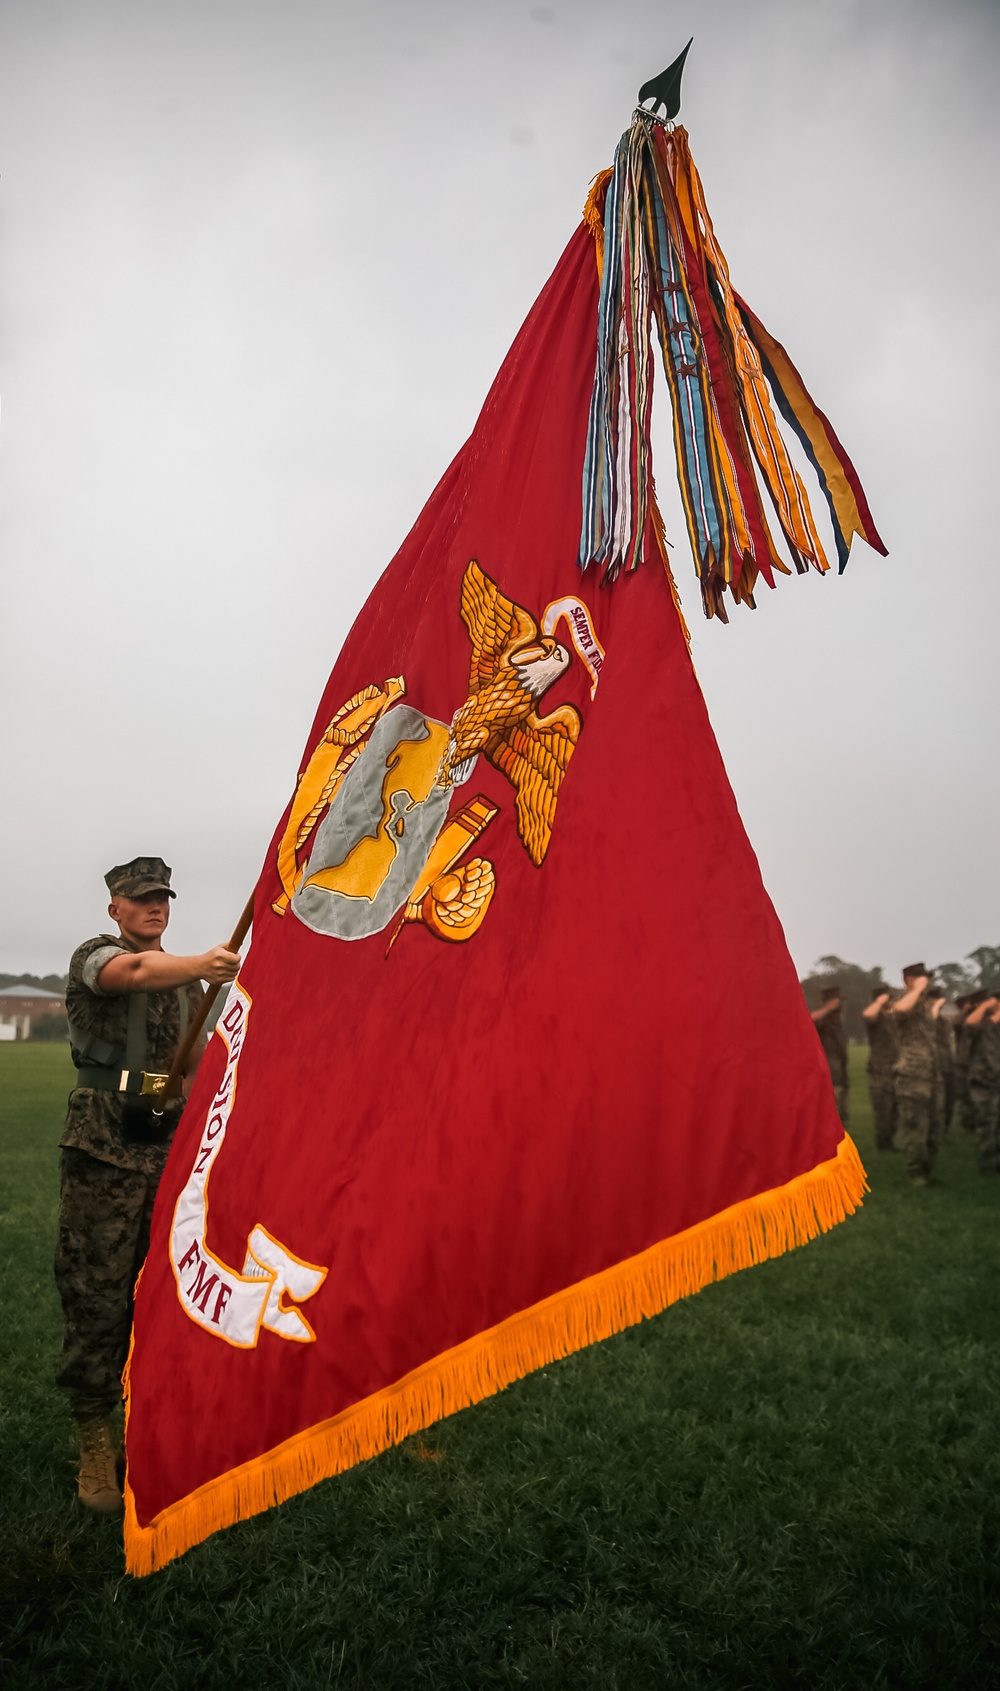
(882, 1046)
(984, 1094)
(915, 1075)
(945, 1098)
(834, 1043)
(965, 1038)
(113, 1153)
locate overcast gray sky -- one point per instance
(262, 260)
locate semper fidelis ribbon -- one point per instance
(484, 1092)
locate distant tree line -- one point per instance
(980, 971)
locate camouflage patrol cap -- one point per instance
(831, 992)
(916, 969)
(142, 875)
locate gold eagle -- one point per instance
(512, 666)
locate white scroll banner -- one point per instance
(581, 631)
(233, 1305)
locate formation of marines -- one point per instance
(925, 1058)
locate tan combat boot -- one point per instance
(97, 1486)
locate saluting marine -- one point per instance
(882, 1050)
(829, 1023)
(916, 1075)
(944, 1096)
(965, 1037)
(983, 1024)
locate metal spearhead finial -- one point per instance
(665, 90)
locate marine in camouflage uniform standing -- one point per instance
(829, 1022)
(128, 1003)
(916, 1075)
(965, 1038)
(882, 1047)
(984, 1082)
(944, 1098)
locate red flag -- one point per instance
(518, 1055)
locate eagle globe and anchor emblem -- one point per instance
(369, 837)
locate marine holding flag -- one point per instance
(128, 1003)
(460, 1117)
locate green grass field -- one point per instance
(788, 1480)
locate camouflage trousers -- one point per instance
(882, 1088)
(983, 1121)
(950, 1095)
(841, 1088)
(104, 1217)
(918, 1126)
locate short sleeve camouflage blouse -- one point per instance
(916, 1065)
(833, 1038)
(883, 1043)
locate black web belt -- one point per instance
(123, 1071)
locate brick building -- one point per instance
(20, 1007)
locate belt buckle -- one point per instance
(152, 1085)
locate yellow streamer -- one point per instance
(786, 486)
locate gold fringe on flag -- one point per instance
(749, 1232)
(593, 213)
